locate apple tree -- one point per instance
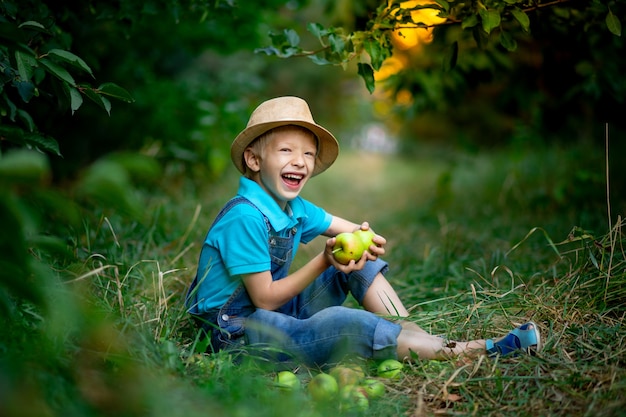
(549, 63)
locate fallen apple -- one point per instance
(346, 376)
(373, 388)
(390, 368)
(353, 398)
(287, 381)
(323, 387)
(347, 247)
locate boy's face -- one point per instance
(285, 164)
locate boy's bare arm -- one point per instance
(269, 294)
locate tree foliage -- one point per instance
(547, 62)
(505, 18)
(36, 64)
(84, 86)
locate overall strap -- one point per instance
(229, 205)
(232, 203)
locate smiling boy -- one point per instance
(244, 295)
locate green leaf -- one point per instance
(522, 18)
(319, 60)
(115, 91)
(317, 30)
(284, 44)
(490, 19)
(26, 63)
(450, 58)
(377, 52)
(268, 50)
(71, 59)
(101, 101)
(12, 107)
(469, 22)
(337, 43)
(507, 41)
(367, 73)
(613, 24)
(26, 89)
(76, 99)
(30, 124)
(57, 71)
(32, 25)
(43, 142)
(292, 37)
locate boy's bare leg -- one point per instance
(382, 299)
(427, 346)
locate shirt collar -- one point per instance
(278, 218)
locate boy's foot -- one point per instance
(524, 339)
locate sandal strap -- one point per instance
(527, 336)
(519, 339)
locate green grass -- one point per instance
(477, 244)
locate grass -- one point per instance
(477, 244)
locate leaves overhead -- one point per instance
(370, 47)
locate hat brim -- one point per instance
(328, 147)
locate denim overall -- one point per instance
(313, 326)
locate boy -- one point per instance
(244, 295)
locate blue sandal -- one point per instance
(524, 339)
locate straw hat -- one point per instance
(283, 111)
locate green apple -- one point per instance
(366, 237)
(390, 368)
(373, 388)
(347, 247)
(353, 398)
(287, 381)
(323, 388)
(346, 375)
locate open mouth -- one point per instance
(293, 180)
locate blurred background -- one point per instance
(474, 134)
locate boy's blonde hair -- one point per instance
(259, 144)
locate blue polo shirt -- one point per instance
(238, 243)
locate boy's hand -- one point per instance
(371, 254)
(377, 249)
(352, 266)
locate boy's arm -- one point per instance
(339, 225)
(269, 294)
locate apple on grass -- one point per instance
(346, 375)
(287, 381)
(373, 388)
(390, 368)
(353, 398)
(323, 388)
